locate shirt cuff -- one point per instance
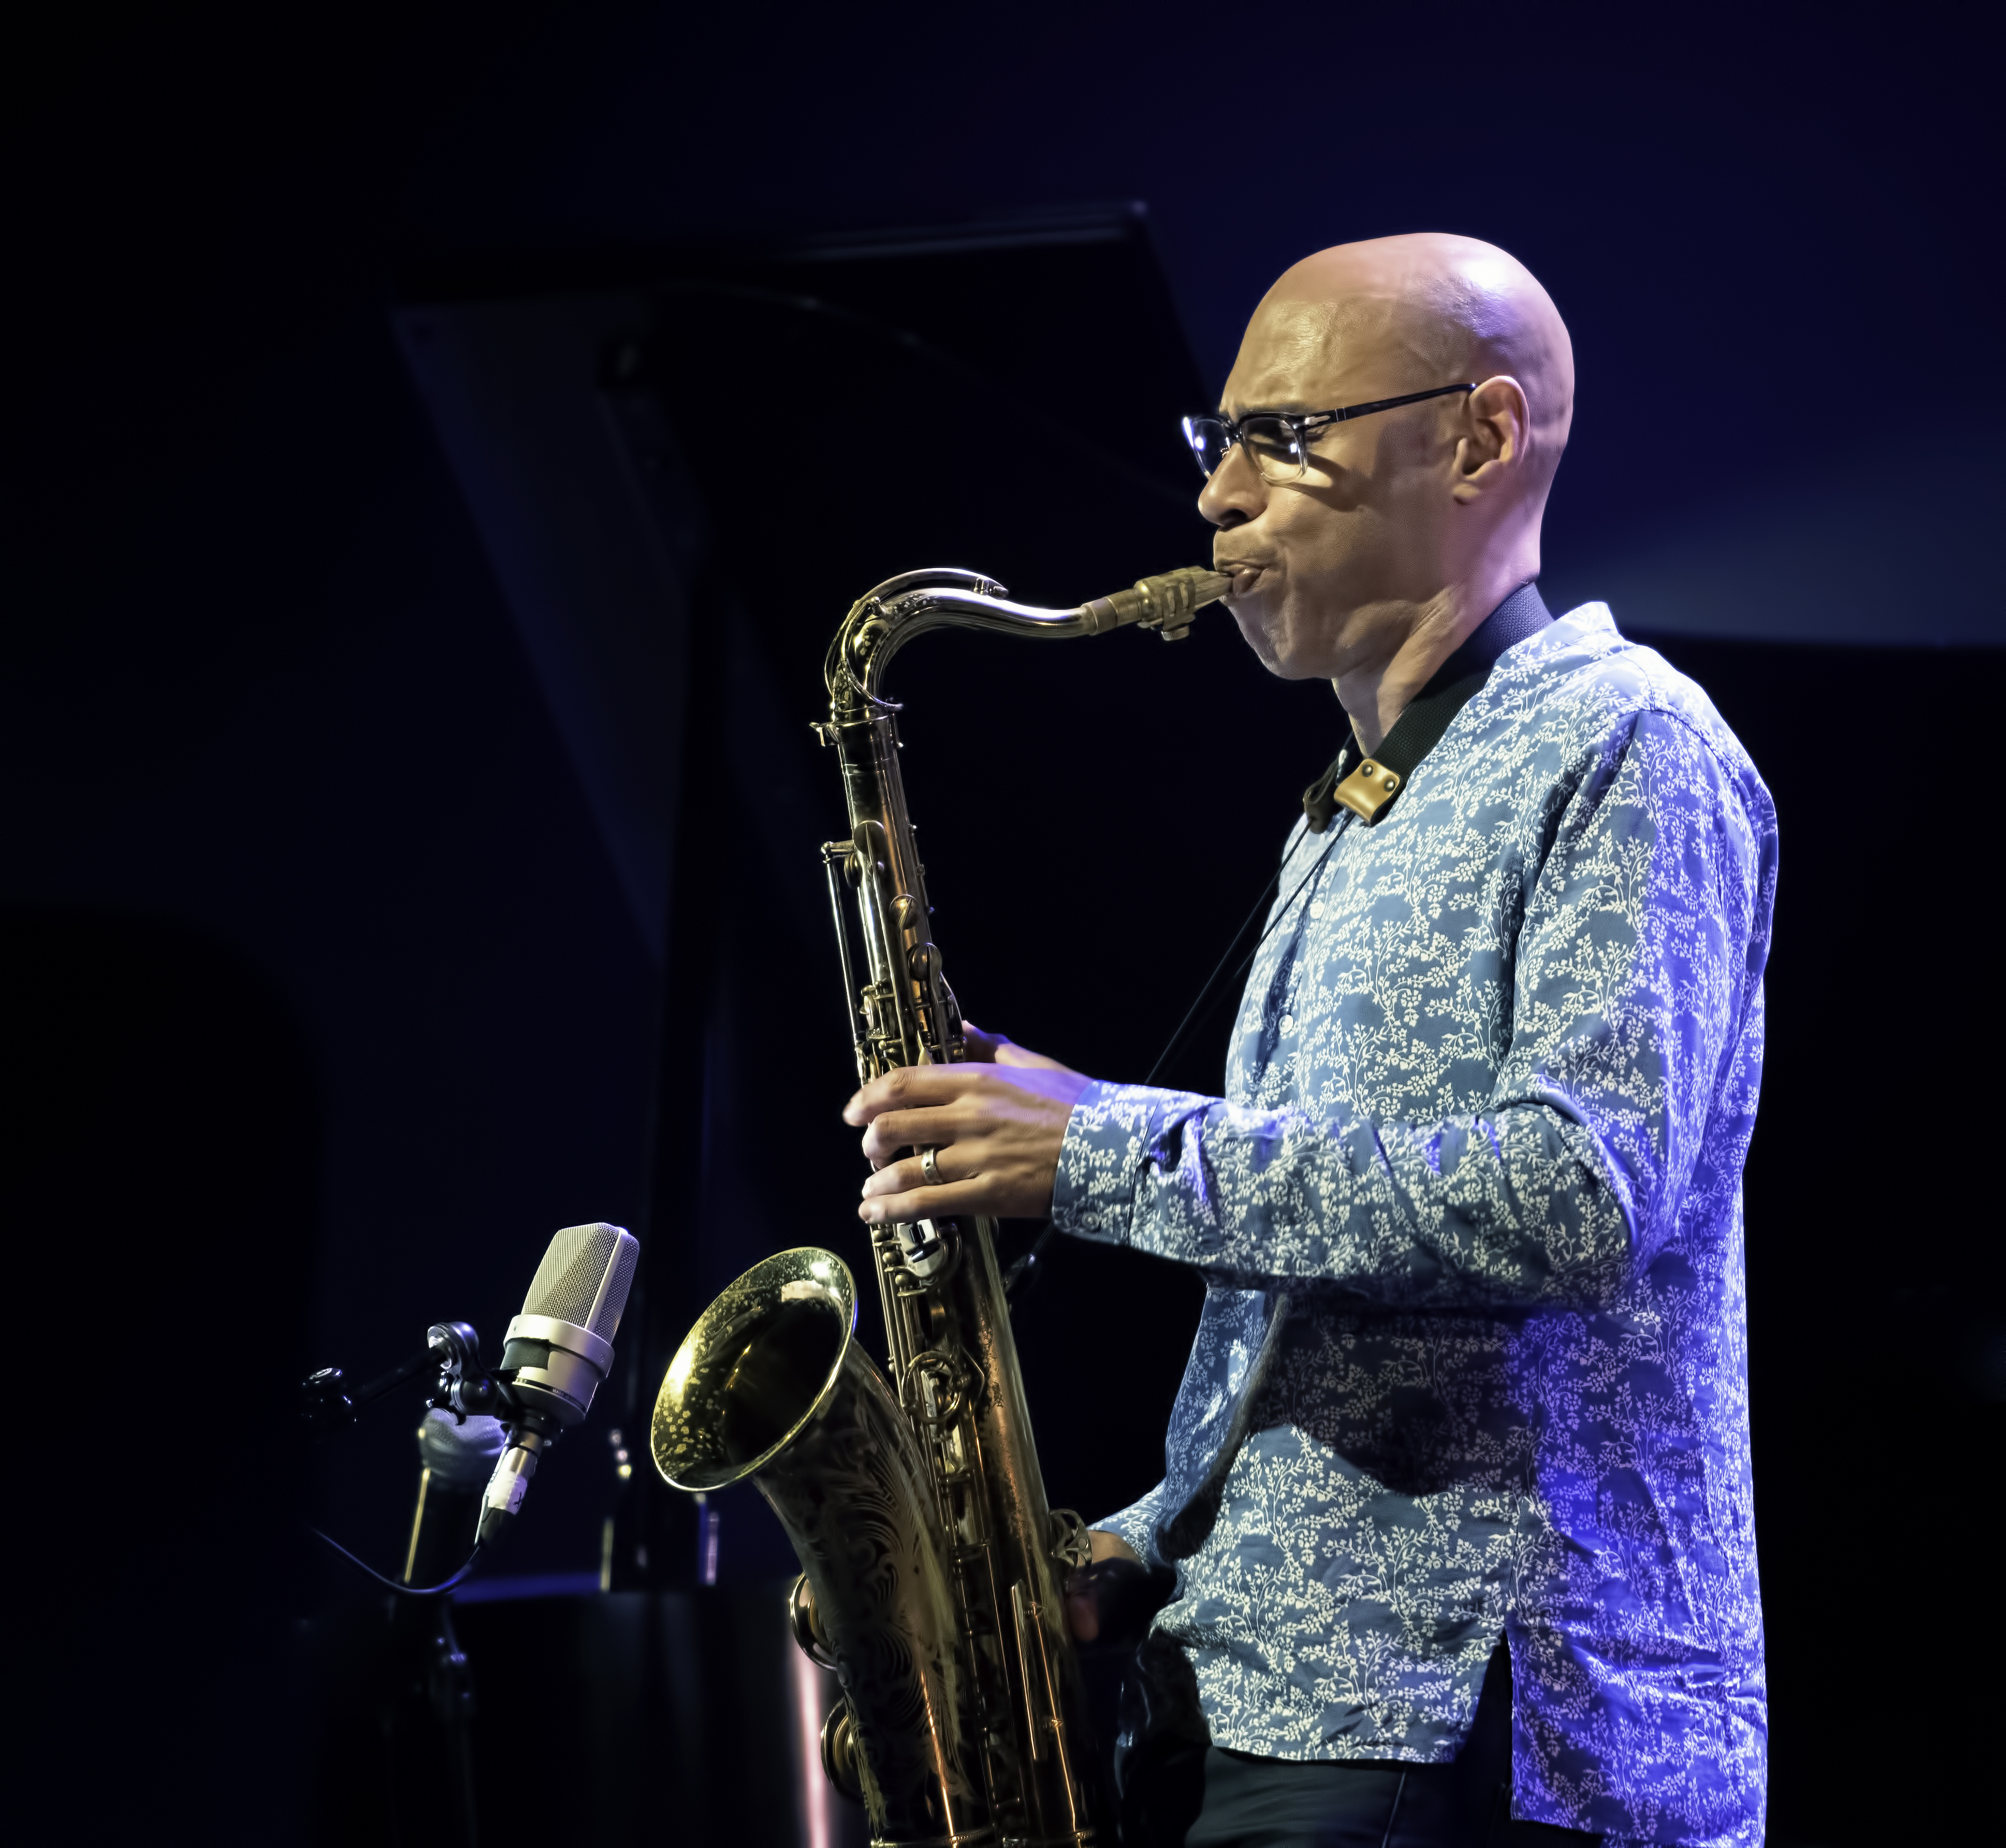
(1115, 1141)
(1136, 1524)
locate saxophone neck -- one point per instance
(885, 619)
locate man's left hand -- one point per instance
(996, 1124)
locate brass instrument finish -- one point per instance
(934, 1570)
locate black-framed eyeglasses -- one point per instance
(1278, 445)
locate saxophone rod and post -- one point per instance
(932, 1568)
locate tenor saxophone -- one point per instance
(932, 1569)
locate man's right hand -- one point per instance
(1086, 1588)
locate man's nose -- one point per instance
(1234, 492)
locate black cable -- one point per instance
(1274, 879)
(408, 1591)
(1025, 1272)
(1399, 1791)
(1233, 943)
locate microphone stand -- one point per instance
(427, 1665)
(429, 1725)
(433, 1683)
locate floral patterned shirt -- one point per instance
(1472, 1356)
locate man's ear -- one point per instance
(1496, 419)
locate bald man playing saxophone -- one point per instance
(1455, 1520)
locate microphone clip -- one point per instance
(465, 1388)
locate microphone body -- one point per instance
(555, 1354)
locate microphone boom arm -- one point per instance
(460, 1386)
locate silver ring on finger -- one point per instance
(930, 1167)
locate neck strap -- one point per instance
(1368, 786)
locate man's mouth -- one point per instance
(1244, 574)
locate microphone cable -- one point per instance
(407, 1591)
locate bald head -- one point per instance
(1394, 314)
(1364, 550)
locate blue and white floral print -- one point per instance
(1472, 1358)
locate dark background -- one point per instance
(325, 1001)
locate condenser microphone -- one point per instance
(557, 1352)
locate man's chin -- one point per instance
(1258, 628)
(1247, 618)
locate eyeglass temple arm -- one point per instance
(1359, 410)
(1331, 416)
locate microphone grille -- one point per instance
(568, 1282)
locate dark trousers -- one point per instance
(1277, 1803)
(1215, 1799)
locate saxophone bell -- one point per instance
(771, 1384)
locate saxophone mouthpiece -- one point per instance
(1166, 602)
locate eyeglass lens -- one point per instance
(1272, 445)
